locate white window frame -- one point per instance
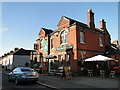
(67, 59)
(64, 37)
(82, 37)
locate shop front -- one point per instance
(51, 62)
(60, 58)
(64, 56)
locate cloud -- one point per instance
(3, 29)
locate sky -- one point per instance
(22, 21)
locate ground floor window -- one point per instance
(60, 60)
(83, 57)
(67, 60)
(53, 64)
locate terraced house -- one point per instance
(71, 44)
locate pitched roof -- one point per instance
(47, 31)
(22, 51)
(72, 21)
(110, 50)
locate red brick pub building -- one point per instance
(71, 44)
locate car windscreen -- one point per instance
(27, 70)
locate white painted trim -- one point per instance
(63, 44)
(66, 18)
(64, 29)
(52, 54)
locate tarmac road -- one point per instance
(6, 85)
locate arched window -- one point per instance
(41, 44)
(64, 37)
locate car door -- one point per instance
(13, 74)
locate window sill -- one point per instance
(52, 48)
(63, 44)
(101, 45)
(82, 42)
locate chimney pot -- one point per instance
(89, 10)
(102, 24)
(11, 51)
(15, 49)
(102, 20)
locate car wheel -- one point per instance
(16, 81)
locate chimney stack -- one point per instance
(5, 54)
(90, 15)
(15, 49)
(103, 24)
(11, 51)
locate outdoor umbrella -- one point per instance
(100, 58)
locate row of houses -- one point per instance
(69, 45)
(17, 57)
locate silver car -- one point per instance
(22, 74)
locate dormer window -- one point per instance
(64, 37)
(41, 44)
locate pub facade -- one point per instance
(70, 44)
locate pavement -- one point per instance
(56, 82)
(79, 82)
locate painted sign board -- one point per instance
(64, 47)
(45, 47)
(67, 73)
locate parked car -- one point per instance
(21, 74)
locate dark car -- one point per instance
(22, 74)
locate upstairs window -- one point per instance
(82, 37)
(100, 41)
(41, 44)
(35, 46)
(64, 37)
(52, 43)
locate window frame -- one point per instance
(67, 60)
(41, 44)
(82, 37)
(52, 43)
(64, 37)
(100, 41)
(60, 60)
